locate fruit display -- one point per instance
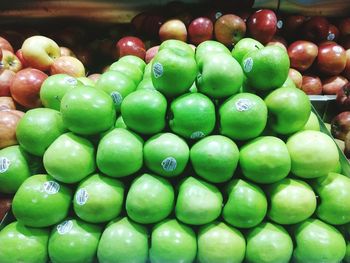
(207, 151)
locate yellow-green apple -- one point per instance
(220, 76)
(25, 87)
(7, 103)
(150, 53)
(302, 54)
(14, 169)
(316, 241)
(8, 124)
(39, 52)
(23, 244)
(120, 153)
(289, 110)
(215, 158)
(6, 79)
(262, 25)
(244, 46)
(5, 45)
(130, 45)
(229, 29)
(172, 241)
(98, 198)
(218, 242)
(243, 112)
(296, 77)
(10, 61)
(333, 192)
(41, 201)
(144, 111)
(307, 151)
(265, 160)
(312, 123)
(192, 116)
(74, 240)
(67, 65)
(311, 85)
(70, 158)
(331, 58)
(246, 204)
(166, 154)
(198, 202)
(36, 140)
(331, 85)
(268, 242)
(200, 30)
(96, 115)
(173, 29)
(150, 199)
(123, 240)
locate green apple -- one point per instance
(117, 85)
(312, 123)
(218, 242)
(119, 123)
(192, 116)
(41, 201)
(98, 198)
(130, 70)
(313, 154)
(198, 202)
(134, 60)
(210, 48)
(87, 111)
(146, 84)
(173, 70)
(291, 201)
(316, 241)
(54, 88)
(244, 46)
(347, 255)
(243, 112)
(176, 44)
(123, 241)
(119, 153)
(171, 242)
(193, 88)
(333, 191)
(150, 199)
(144, 111)
(20, 243)
(246, 205)
(86, 81)
(74, 241)
(266, 68)
(268, 243)
(38, 129)
(70, 158)
(265, 160)
(289, 110)
(289, 83)
(219, 76)
(166, 154)
(148, 71)
(215, 158)
(14, 168)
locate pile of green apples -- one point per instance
(209, 155)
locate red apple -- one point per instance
(6, 79)
(19, 55)
(5, 45)
(262, 25)
(311, 85)
(26, 86)
(173, 29)
(302, 54)
(131, 46)
(278, 41)
(64, 51)
(331, 85)
(150, 53)
(316, 29)
(331, 58)
(229, 29)
(244, 14)
(8, 124)
(85, 56)
(68, 65)
(343, 98)
(333, 33)
(293, 25)
(344, 26)
(214, 13)
(148, 23)
(346, 71)
(200, 30)
(5, 205)
(94, 77)
(296, 77)
(10, 61)
(345, 42)
(340, 125)
(7, 103)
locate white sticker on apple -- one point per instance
(51, 187)
(279, 24)
(197, 135)
(169, 164)
(117, 98)
(248, 64)
(71, 81)
(4, 164)
(65, 227)
(243, 104)
(81, 196)
(331, 37)
(157, 70)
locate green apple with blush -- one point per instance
(123, 241)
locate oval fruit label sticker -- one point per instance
(81, 196)
(157, 70)
(65, 227)
(169, 164)
(4, 164)
(51, 187)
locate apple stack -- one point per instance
(211, 155)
